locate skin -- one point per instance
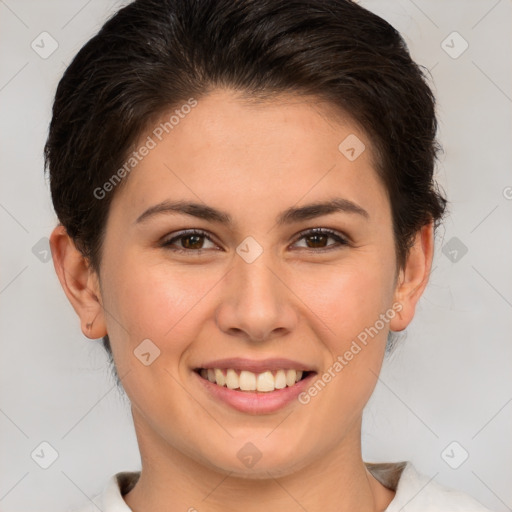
(252, 161)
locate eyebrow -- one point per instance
(289, 216)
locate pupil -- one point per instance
(195, 244)
(318, 240)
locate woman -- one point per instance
(247, 212)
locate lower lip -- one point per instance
(253, 402)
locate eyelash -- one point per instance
(341, 241)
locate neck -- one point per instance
(172, 481)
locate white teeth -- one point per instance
(265, 381)
(248, 381)
(280, 379)
(220, 379)
(232, 380)
(291, 375)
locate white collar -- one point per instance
(416, 491)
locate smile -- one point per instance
(244, 380)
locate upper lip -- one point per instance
(255, 366)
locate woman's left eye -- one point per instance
(317, 238)
(197, 241)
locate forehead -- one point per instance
(230, 146)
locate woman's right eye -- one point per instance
(189, 241)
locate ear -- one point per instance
(79, 282)
(413, 279)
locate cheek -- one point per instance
(350, 303)
(157, 302)
(349, 297)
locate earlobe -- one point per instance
(413, 279)
(79, 282)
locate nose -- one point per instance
(256, 303)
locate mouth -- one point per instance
(251, 382)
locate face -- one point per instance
(237, 269)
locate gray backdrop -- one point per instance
(444, 397)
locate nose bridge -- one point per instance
(256, 302)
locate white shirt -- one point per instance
(415, 492)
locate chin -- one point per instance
(251, 463)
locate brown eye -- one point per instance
(192, 241)
(318, 238)
(189, 241)
(315, 241)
